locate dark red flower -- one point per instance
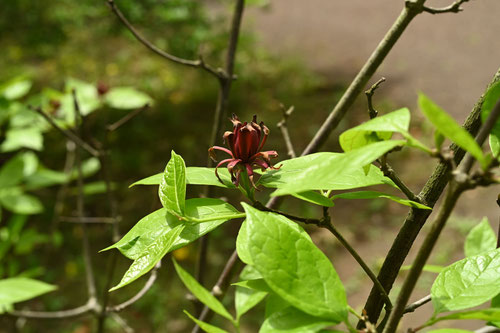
(102, 89)
(245, 143)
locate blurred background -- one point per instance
(290, 52)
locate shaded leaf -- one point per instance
(205, 326)
(374, 194)
(127, 98)
(244, 298)
(201, 293)
(21, 289)
(315, 198)
(480, 239)
(292, 320)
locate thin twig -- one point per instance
(114, 126)
(221, 108)
(81, 310)
(416, 218)
(391, 174)
(200, 63)
(413, 306)
(63, 190)
(89, 273)
(70, 135)
(149, 283)
(87, 220)
(219, 287)
(453, 8)
(369, 94)
(120, 321)
(284, 131)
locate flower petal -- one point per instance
(211, 152)
(220, 164)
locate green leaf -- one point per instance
(293, 267)
(354, 178)
(172, 189)
(87, 97)
(274, 303)
(17, 138)
(449, 128)
(19, 289)
(194, 176)
(201, 293)
(490, 99)
(257, 284)
(15, 88)
(89, 167)
(374, 194)
(244, 298)
(491, 314)
(480, 239)
(467, 283)
(206, 209)
(315, 198)
(127, 98)
(19, 202)
(153, 225)
(148, 258)
(339, 169)
(204, 326)
(377, 129)
(242, 240)
(292, 320)
(11, 173)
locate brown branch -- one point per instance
(114, 126)
(391, 174)
(220, 113)
(69, 134)
(87, 220)
(149, 283)
(417, 217)
(369, 95)
(453, 8)
(456, 188)
(200, 63)
(80, 202)
(284, 131)
(413, 306)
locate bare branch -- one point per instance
(453, 8)
(70, 135)
(391, 174)
(220, 113)
(149, 283)
(413, 306)
(284, 130)
(88, 220)
(416, 218)
(369, 94)
(89, 272)
(79, 311)
(114, 126)
(219, 73)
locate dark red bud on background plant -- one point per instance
(245, 145)
(102, 88)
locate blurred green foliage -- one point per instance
(53, 46)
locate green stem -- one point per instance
(215, 218)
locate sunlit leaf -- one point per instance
(480, 239)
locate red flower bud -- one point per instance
(245, 143)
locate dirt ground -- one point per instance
(450, 57)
